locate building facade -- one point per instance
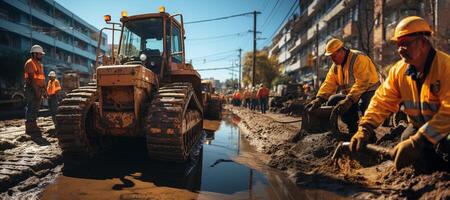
(70, 43)
(388, 13)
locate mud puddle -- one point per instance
(227, 167)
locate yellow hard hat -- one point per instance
(409, 25)
(332, 46)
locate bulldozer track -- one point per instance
(74, 124)
(174, 124)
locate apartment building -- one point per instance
(366, 25)
(70, 43)
(389, 12)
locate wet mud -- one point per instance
(307, 161)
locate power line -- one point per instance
(282, 22)
(268, 16)
(214, 54)
(216, 68)
(219, 18)
(218, 36)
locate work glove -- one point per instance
(408, 151)
(362, 137)
(314, 104)
(344, 105)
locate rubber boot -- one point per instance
(32, 128)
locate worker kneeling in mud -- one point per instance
(420, 80)
(355, 75)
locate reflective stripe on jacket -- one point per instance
(53, 87)
(429, 111)
(38, 70)
(358, 76)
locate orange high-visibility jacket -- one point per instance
(263, 92)
(37, 70)
(356, 76)
(237, 95)
(429, 111)
(53, 87)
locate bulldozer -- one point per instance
(211, 101)
(146, 91)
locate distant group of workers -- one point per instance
(36, 89)
(252, 98)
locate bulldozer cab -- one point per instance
(153, 40)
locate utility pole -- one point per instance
(240, 68)
(254, 47)
(317, 57)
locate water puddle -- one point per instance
(225, 168)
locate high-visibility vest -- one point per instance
(427, 109)
(346, 77)
(38, 70)
(53, 87)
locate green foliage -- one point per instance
(266, 69)
(283, 79)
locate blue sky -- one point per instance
(210, 44)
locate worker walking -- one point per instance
(53, 87)
(263, 97)
(34, 88)
(355, 75)
(420, 80)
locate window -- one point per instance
(177, 54)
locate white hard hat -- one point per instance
(37, 49)
(52, 73)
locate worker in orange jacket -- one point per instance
(420, 81)
(34, 88)
(53, 88)
(263, 97)
(355, 75)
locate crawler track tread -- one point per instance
(168, 138)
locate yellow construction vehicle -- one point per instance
(211, 101)
(147, 91)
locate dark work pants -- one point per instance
(33, 105)
(263, 103)
(351, 117)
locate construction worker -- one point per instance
(420, 81)
(237, 98)
(306, 90)
(53, 87)
(355, 75)
(34, 88)
(263, 97)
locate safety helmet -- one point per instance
(37, 49)
(332, 46)
(410, 25)
(52, 74)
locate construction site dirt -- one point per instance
(306, 159)
(225, 166)
(31, 166)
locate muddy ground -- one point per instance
(306, 158)
(27, 162)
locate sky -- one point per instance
(210, 44)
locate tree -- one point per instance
(266, 69)
(231, 83)
(365, 23)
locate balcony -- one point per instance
(349, 30)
